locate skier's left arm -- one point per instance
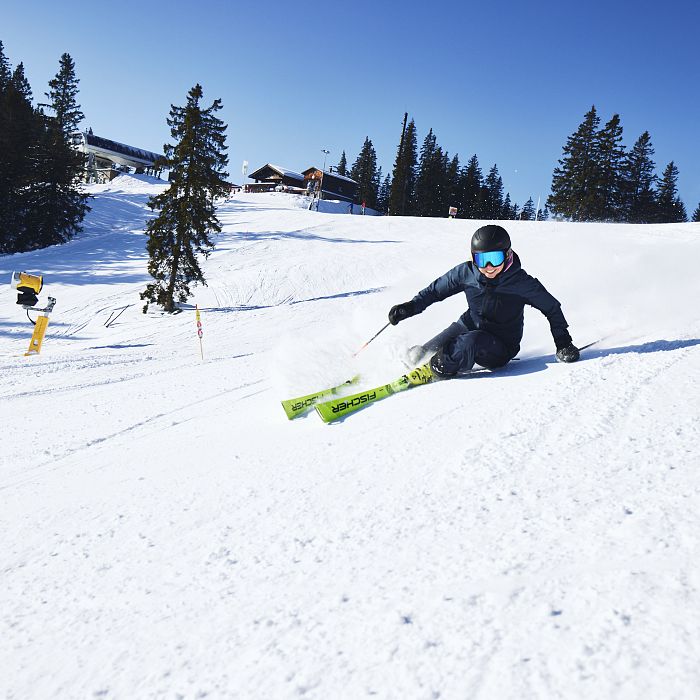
(538, 297)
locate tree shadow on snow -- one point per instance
(299, 234)
(120, 346)
(289, 301)
(24, 330)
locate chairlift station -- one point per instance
(105, 158)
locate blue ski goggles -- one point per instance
(493, 257)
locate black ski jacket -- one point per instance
(497, 305)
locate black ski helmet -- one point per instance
(490, 237)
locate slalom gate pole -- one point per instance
(359, 350)
(200, 332)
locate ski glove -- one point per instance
(569, 353)
(400, 312)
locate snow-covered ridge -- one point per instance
(525, 533)
(137, 184)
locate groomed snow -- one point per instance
(166, 532)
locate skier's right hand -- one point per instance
(569, 353)
(401, 311)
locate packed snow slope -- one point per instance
(166, 532)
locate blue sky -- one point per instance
(509, 81)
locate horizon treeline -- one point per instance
(40, 204)
(598, 179)
(430, 181)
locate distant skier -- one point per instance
(497, 288)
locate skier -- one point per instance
(497, 288)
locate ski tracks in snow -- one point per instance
(576, 518)
(550, 540)
(516, 535)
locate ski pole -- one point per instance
(359, 350)
(593, 343)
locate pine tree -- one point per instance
(442, 186)
(342, 168)
(670, 209)
(427, 176)
(5, 69)
(493, 195)
(63, 94)
(384, 193)
(378, 181)
(696, 214)
(528, 211)
(507, 212)
(19, 130)
(575, 182)
(6, 188)
(681, 212)
(470, 188)
(403, 177)
(7, 209)
(58, 206)
(451, 178)
(364, 172)
(187, 215)
(609, 205)
(639, 195)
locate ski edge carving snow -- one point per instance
(336, 409)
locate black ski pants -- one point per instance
(462, 349)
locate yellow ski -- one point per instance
(339, 408)
(300, 405)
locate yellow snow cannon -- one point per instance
(28, 287)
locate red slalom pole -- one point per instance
(359, 350)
